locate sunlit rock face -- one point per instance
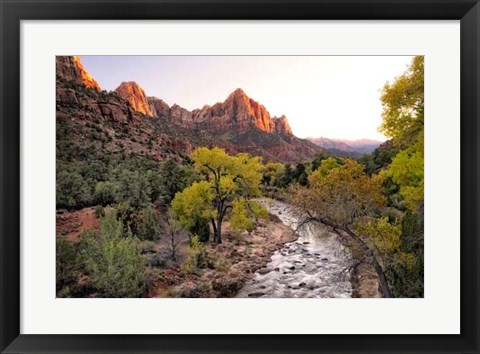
(70, 68)
(134, 94)
(239, 113)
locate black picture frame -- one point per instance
(14, 11)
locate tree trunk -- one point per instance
(174, 246)
(218, 231)
(383, 279)
(214, 230)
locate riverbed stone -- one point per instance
(256, 294)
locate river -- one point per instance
(314, 266)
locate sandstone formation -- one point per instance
(181, 116)
(107, 108)
(159, 107)
(238, 114)
(282, 126)
(70, 68)
(134, 94)
(117, 121)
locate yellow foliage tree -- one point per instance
(229, 184)
(272, 172)
(403, 105)
(407, 170)
(403, 120)
(342, 194)
(325, 166)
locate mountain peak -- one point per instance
(132, 92)
(130, 83)
(282, 126)
(238, 95)
(239, 92)
(239, 114)
(70, 68)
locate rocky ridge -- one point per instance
(238, 113)
(148, 126)
(134, 94)
(70, 68)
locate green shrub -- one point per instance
(147, 224)
(201, 229)
(66, 264)
(197, 256)
(99, 212)
(104, 193)
(112, 259)
(132, 186)
(127, 214)
(72, 192)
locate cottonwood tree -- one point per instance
(403, 121)
(403, 105)
(229, 183)
(340, 196)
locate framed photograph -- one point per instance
(237, 176)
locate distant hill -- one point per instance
(361, 146)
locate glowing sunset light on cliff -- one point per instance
(329, 96)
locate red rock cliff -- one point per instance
(237, 114)
(134, 94)
(70, 68)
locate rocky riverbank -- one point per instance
(233, 262)
(364, 279)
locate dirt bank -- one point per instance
(72, 223)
